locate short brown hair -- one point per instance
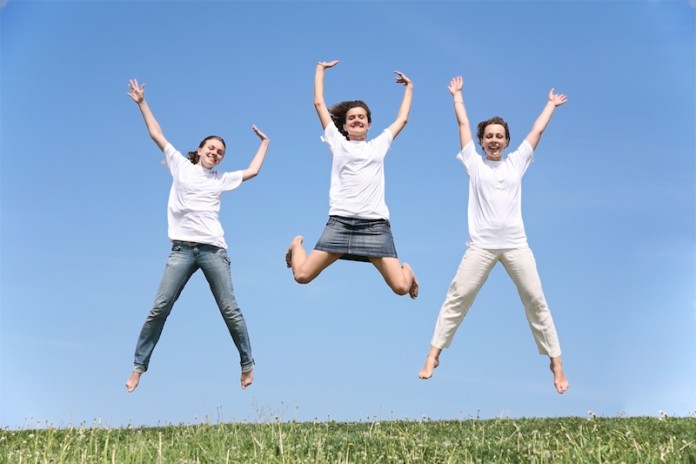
(494, 120)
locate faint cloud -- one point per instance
(692, 3)
(4, 2)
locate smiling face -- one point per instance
(494, 141)
(357, 123)
(211, 153)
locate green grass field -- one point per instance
(555, 440)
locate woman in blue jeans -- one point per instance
(197, 237)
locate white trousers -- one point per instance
(474, 269)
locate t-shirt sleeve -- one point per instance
(231, 180)
(468, 155)
(383, 141)
(173, 159)
(331, 135)
(522, 157)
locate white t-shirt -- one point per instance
(357, 175)
(495, 197)
(194, 199)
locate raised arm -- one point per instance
(405, 108)
(555, 100)
(455, 88)
(255, 165)
(137, 93)
(319, 103)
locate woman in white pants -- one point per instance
(496, 231)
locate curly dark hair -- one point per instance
(494, 120)
(339, 110)
(194, 156)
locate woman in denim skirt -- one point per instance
(358, 227)
(197, 237)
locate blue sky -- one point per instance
(608, 206)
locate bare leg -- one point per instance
(306, 268)
(559, 378)
(431, 362)
(399, 277)
(133, 381)
(247, 379)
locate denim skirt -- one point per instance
(357, 239)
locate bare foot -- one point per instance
(133, 381)
(431, 362)
(413, 291)
(559, 379)
(247, 379)
(288, 255)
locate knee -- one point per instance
(302, 277)
(232, 315)
(160, 310)
(156, 315)
(400, 289)
(230, 309)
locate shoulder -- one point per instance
(332, 135)
(385, 134)
(524, 151)
(468, 153)
(173, 157)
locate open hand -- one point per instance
(456, 85)
(402, 78)
(557, 98)
(328, 64)
(137, 91)
(260, 134)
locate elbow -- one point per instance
(250, 174)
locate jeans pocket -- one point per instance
(379, 227)
(222, 253)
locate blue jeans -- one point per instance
(185, 259)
